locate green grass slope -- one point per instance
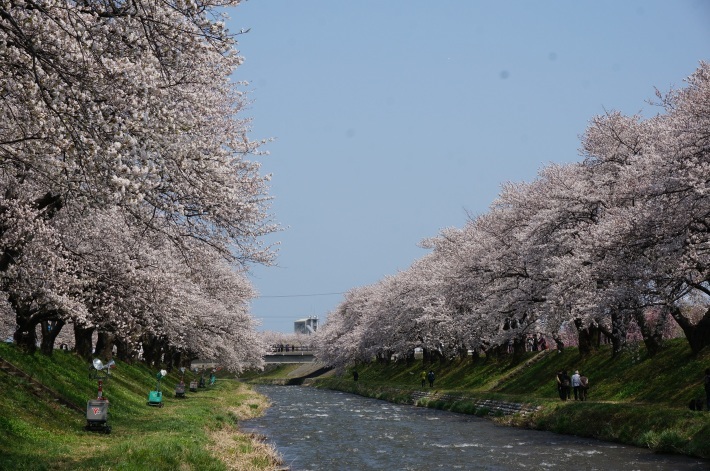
(37, 433)
(633, 399)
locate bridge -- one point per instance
(304, 368)
(304, 356)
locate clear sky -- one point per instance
(392, 120)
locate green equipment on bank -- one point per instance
(155, 398)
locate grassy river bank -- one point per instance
(200, 432)
(633, 399)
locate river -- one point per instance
(316, 429)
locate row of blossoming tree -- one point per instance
(617, 241)
(128, 209)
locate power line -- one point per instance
(301, 295)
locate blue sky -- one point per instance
(392, 120)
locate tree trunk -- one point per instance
(618, 332)
(462, 352)
(518, 347)
(176, 359)
(436, 355)
(151, 350)
(427, 355)
(50, 331)
(27, 319)
(652, 332)
(104, 345)
(588, 338)
(123, 351)
(83, 341)
(25, 335)
(475, 356)
(384, 358)
(499, 351)
(698, 335)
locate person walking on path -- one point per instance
(559, 385)
(543, 343)
(423, 378)
(584, 386)
(576, 384)
(560, 344)
(706, 381)
(430, 377)
(563, 385)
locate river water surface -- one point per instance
(317, 429)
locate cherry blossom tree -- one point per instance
(131, 105)
(663, 227)
(39, 284)
(339, 342)
(144, 296)
(125, 114)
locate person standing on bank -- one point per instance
(566, 390)
(430, 377)
(423, 378)
(706, 380)
(563, 385)
(584, 386)
(576, 385)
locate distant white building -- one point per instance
(306, 326)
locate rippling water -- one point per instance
(316, 429)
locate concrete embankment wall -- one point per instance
(437, 399)
(494, 407)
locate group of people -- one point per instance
(427, 377)
(577, 383)
(533, 343)
(281, 347)
(536, 343)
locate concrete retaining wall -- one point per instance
(495, 407)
